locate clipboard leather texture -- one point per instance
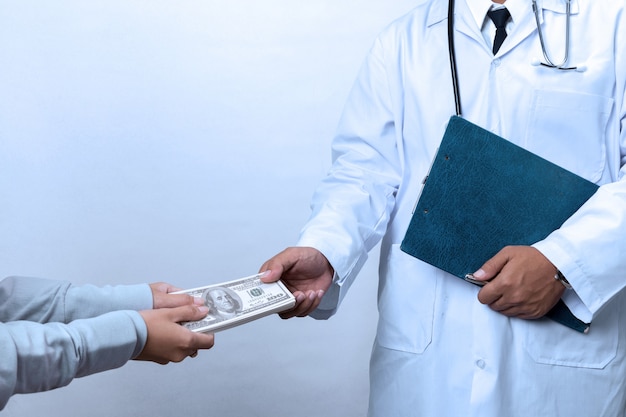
(484, 193)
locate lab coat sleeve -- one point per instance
(39, 357)
(590, 248)
(43, 300)
(352, 206)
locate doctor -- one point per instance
(445, 347)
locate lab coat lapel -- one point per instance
(464, 23)
(526, 24)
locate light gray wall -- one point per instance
(181, 141)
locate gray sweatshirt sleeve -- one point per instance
(52, 331)
(44, 300)
(39, 357)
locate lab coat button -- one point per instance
(480, 363)
(496, 62)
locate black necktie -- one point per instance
(499, 18)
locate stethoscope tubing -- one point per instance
(452, 54)
(548, 64)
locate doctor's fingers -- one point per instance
(521, 312)
(306, 303)
(490, 293)
(297, 263)
(497, 297)
(512, 307)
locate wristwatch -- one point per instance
(561, 278)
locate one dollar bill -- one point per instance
(239, 301)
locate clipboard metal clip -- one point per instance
(424, 180)
(470, 278)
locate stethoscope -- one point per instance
(549, 63)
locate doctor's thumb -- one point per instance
(491, 268)
(271, 271)
(269, 275)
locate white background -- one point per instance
(181, 141)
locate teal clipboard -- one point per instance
(483, 193)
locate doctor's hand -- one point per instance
(521, 283)
(306, 273)
(168, 341)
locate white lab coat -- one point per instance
(438, 351)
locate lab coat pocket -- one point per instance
(551, 343)
(406, 302)
(569, 129)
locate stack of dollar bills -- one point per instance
(239, 301)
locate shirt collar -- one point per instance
(479, 9)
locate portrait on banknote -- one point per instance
(223, 303)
